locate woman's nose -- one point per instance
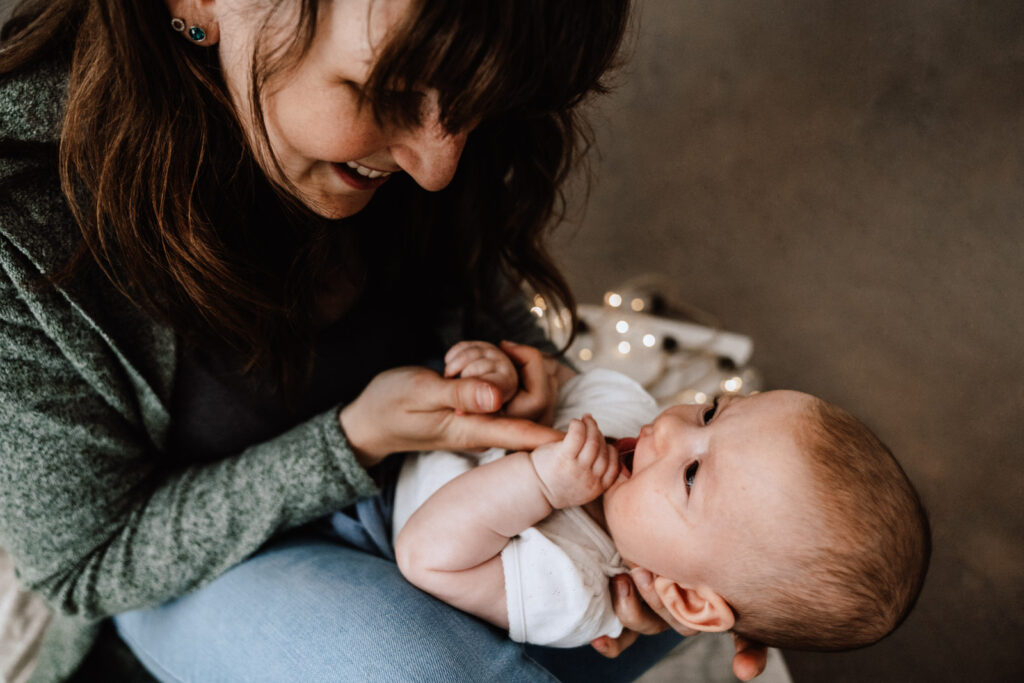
(428, 152)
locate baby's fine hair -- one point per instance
(863, 576)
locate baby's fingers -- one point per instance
(461, 355)
(591, 449)
(611, 463)
(479, 367)
(574, 436)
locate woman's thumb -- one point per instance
(475, 396)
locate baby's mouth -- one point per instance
(625, 448)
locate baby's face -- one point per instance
(712, 487)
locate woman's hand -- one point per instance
(540, 378)
(413, 408)
(641, 611)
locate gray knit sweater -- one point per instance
(96, 516)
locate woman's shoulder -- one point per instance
(32, 102)
(34, 218)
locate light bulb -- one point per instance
(733, 384)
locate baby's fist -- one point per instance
(577, 469)
(484, 361)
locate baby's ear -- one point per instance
(699, 608)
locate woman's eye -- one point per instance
(690, 474)
(709, 414)
(356, 89)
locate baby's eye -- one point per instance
(690, 474)
(709, 414)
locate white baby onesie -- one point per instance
(556, 572)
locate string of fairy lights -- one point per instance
(679, 353)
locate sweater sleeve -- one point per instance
(99, 523)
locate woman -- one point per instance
(222, 221)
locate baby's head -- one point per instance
(777, 516)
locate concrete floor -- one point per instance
(844, 182)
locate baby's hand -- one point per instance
(483, 361)
(577, 469)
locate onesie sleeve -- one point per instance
(557, 572)
(557, 595)
(421, 475)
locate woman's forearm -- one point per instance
(97, 517)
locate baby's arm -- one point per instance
(451, 546)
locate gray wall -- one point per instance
(844, 182)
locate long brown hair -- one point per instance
(167, 192)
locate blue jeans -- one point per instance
(312, 607)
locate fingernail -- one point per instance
(642, 578)
(623, 587)
(601, 643)
(485, 397)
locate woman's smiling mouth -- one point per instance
(360, 177)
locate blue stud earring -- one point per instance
(195, 33)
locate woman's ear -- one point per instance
(699, 608)
(195, 20)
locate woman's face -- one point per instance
(330, 149)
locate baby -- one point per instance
(776, 516)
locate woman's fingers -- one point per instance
(749, 660)
(468, 395)
(538, 380)
(480, 431)
(631, 610)
(408, 409)
(613, 647)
